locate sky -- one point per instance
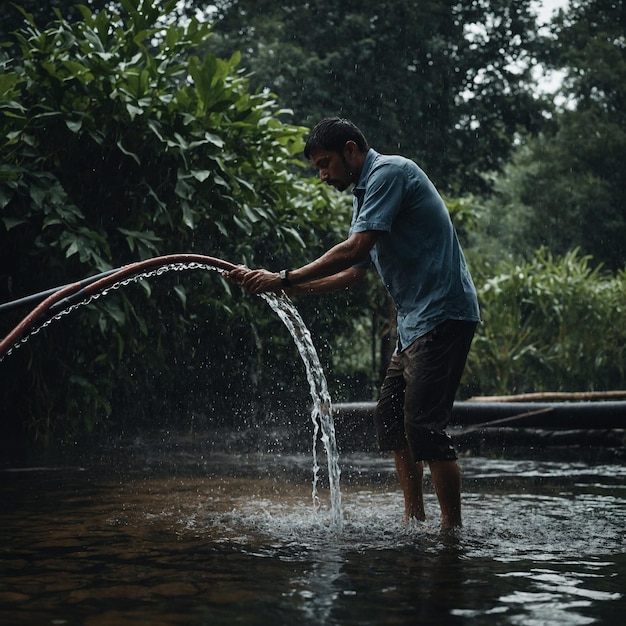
(545, 8)
(548, 81)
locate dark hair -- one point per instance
(332, 133)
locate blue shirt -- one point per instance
(417, 255)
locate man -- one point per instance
(400, 225)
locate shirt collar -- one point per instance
(365, 170)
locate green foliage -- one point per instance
(571, 183)
(550, 324)
(41, 12)
(119, 141)
(122, 139)
(448, 85)
(106, 104)
(565, 188)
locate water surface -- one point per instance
(235, 539)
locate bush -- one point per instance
(551, 324)
(120, 141)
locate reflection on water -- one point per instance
(235, 539)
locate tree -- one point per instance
(448, 84)
(41, 12)
(119, 142)
(566, 188)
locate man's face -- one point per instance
(333, 168)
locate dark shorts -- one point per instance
(418, 392)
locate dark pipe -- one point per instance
(548, 415)
(31, 319)
(551, 415)
(36, 298)
(100, 283)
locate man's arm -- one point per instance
(336, 282)
(341, 257)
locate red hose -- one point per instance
(127, 270)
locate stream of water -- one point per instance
(322, 406)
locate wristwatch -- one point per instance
(284, 278)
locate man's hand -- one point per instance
(255, 281)
(237, 275)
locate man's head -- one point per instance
(338, 149)
(332, 134)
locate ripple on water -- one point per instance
(243, 542)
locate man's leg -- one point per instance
(410, 476)
(433, 368)
(446, 477)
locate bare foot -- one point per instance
(411, 514)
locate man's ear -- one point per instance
(350, 148)
(351, 154)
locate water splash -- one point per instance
(321, 414)
(322, 406)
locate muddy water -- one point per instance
(234, 539)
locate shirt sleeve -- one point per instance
(382, 200)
